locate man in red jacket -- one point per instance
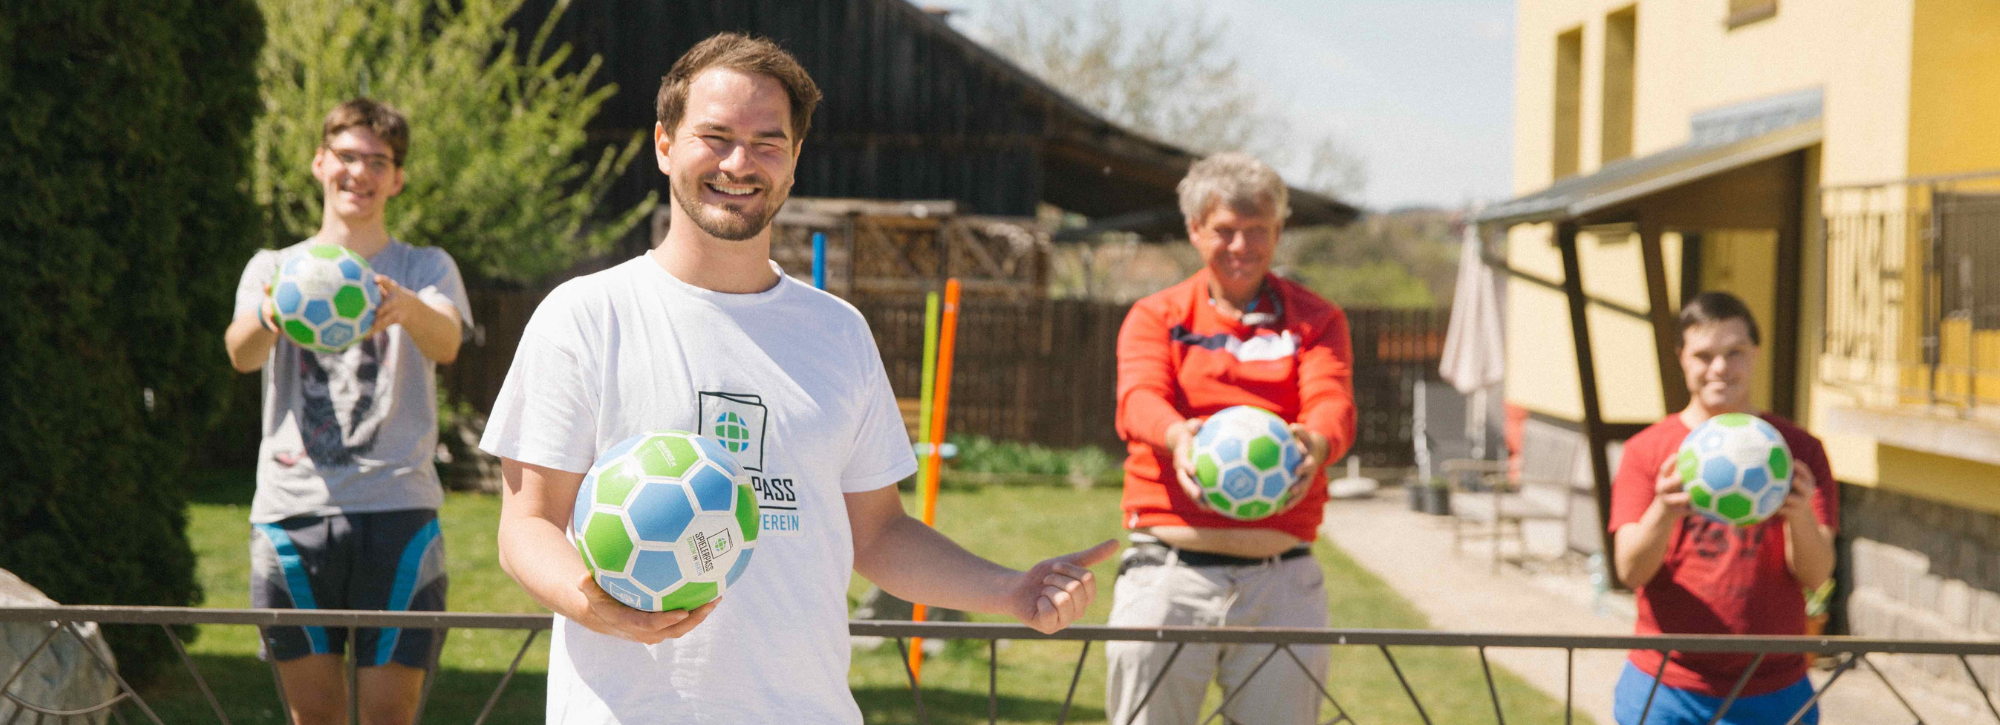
(1233, 334)
(1697, 576)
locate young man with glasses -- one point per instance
(345, 514)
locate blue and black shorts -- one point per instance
(386, 560)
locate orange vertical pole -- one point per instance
(940, 405)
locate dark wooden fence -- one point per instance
(1393, 349)
(1046, 371)
(1042, 371)
(502, 316)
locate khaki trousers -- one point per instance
(1290, 593)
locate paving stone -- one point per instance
(1954, 606)
(1986, 609)
(1922, 593)
(1863, 569)
(1866, 615)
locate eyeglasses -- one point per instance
(375, 163)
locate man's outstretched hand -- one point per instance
(1057, 591)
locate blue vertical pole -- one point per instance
(819, 260)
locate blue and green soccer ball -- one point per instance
(1736, 469)
(326, 298)
(1244, 460)
(665, 520)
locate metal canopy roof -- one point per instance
(1626, 180)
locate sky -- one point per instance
(1421, 90)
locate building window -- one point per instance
(1621, 39)
(1745, 12)
(1967, 230)
(1568, 102)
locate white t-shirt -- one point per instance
(633, 349)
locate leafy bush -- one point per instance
(979, 454)
(125, 219)
(498, 172)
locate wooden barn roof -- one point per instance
(913, 110)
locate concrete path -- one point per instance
(1412, 552)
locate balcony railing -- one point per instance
(1854, 652)
(1912, 296)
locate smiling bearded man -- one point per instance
(704, 328)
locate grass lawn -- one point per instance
(473, 661)
(1014, 525)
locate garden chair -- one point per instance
(1501, 507)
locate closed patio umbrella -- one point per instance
(1474, 359)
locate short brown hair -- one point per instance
(749, 55)
(379, 118)
(1712, 307)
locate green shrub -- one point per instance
(125, 222)
(501, 173)
(979, 454)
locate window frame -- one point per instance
(1745, 13)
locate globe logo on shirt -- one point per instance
(732, 432)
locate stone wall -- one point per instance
(1919, 569)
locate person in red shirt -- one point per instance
(1696, 576)
(1233, 334)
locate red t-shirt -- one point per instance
(1178, 358)
(1716, 578)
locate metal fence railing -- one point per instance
(1853, 653)
(1912, 294)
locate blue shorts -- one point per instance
(1679, 707)
(387, 560)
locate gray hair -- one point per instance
(1234, 178)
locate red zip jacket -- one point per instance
(1178, 358)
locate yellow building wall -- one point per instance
(1955, 481)
(1969, 370)
(1628, 369)
(1911, 88)
(1613, 271)
(1857, 51)
(1955, 87)
(1744, 262)
(1541, 353)
(1955, 127)
(1853, 458)
(1628, 372)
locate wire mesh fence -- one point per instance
(1852, 653)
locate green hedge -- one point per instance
(982, 461)
(124, 223)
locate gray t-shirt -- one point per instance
(353, 431)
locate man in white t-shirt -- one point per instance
(703, 328)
